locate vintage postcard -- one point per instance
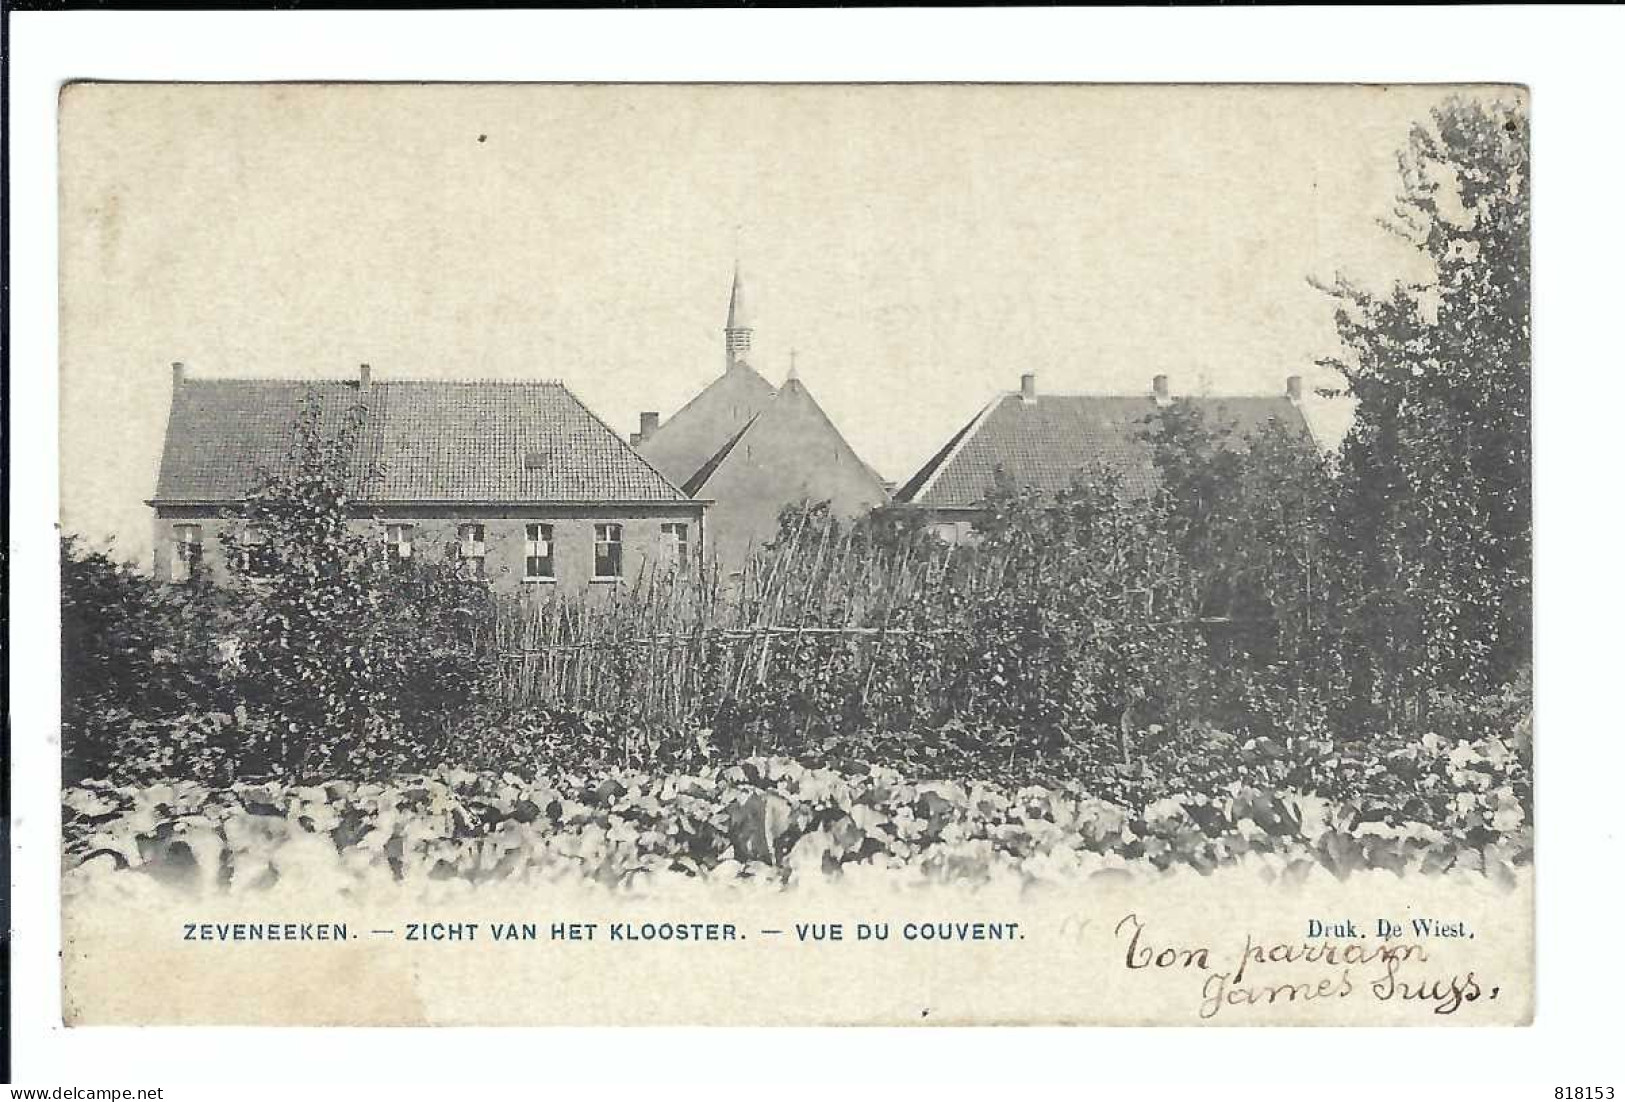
(796, 554)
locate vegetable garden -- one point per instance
(1277, 659)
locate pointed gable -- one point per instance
(681, 446)
(789, 452)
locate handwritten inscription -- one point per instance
(1341, 965)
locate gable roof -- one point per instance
(708, 468)
(1042, 444)
(681, 446)
(489, 442)
(792, 415)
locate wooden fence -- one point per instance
(813, 608)
(825, 624)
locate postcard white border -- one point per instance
(1568, 56)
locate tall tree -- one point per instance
(1434, 512)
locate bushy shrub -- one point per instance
(134, 653)
(313, 648)
(342, 648)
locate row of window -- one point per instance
(607, 558)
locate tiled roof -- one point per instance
(490, 442)
(1042, 444)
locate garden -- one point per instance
(1277, 660)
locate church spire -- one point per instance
(737, 332)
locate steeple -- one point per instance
(737, 332)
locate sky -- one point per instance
(919, 247)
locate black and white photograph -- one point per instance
(914, 542)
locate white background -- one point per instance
(1570, 59)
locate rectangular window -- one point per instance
(398, 538)
(674, 545)
(606, 551)
(471, 550)
(539, 552)
(187, 553)
(255, 551)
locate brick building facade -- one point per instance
(517, 481)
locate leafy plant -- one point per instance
(1433, 519)
(133, 652)
(339, 644)
(768, 819)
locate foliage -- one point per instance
(1099, 635)
(879, 531)
(761, 818)
(133, 652)
(312, 648)
(1247, 515)
(1433, 518)
(1206, 599)
(1083, 631)
(337, 642)
(1483, 747)
(1258, 620)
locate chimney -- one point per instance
(1294, 388)
(1159, 389)
(637, 438)
(1029, 389)
(366, 376)
(648, 421)
(177, 371)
